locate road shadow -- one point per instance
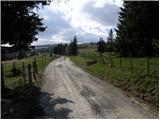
(22, 102)
(48, 104)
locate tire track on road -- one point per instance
(91, 97)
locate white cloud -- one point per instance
(87, 19)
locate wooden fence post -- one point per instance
(110, 57)
(29, 74)
(42, 60)
(87, 56)
(100, 58)
(148, 69)
(95, 57)
(2, 77)
(14, 65)
(34, 70)
(14, 69)
(120, 62)
(45, 59)
(35, 63)
(131, 67)
(23, 72)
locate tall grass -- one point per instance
(137, 82)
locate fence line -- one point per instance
(28, 71)
(110, 61)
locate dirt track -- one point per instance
(69, 92)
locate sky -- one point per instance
(87, 19)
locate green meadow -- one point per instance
(138, 83)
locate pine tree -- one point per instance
(110, 46)
(60, 49)
(101, 49)
(20, 24)
(101, 45)
(137, 30)
(73, 48)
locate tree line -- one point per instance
(67, 49)
(137, 31)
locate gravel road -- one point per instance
(69, 92)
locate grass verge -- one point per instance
(137, 83)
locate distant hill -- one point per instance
(44, 46)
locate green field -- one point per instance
(12, 82)
(21, 100)
(137, 82)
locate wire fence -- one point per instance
(25, 71)
(146, 65)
